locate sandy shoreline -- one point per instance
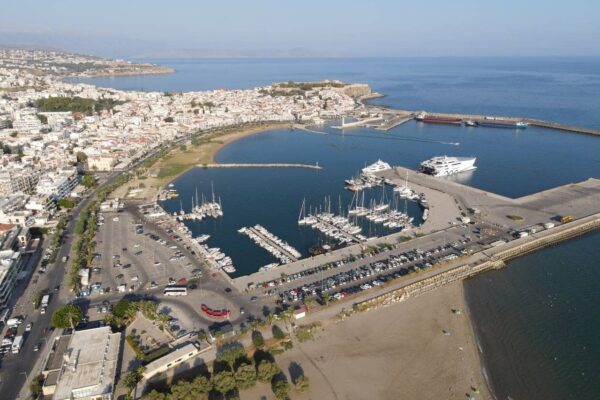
(249, 131)
(195, 155)
(398, 352)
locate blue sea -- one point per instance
(537, 320)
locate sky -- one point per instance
(307, 28)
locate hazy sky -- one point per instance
(239, 28)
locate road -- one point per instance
(16, 371)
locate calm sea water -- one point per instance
(537, 320)
(560, 89)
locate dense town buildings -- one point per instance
(47, 125)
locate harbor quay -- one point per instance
(383, 119)
(492, 229)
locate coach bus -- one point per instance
(175, 290)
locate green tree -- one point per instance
(281, 389)
(162, 319)
(35, 387)
(308, 301)
(43, 119)
(202, 384)
(231, 354)
(89, 181)
(169, 120)
(302, 383)
(224, 382)
(133, 378)
(202, 336)
(81, 156)
(245, 376)
(326, 296)
(266, 370)
(149, 309)
(67, 317)
(37, 298)
(154, 395)
(66, 203)
(182, 390)
(277, 332)
(257, 339)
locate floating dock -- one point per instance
(268, 241)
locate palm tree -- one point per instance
(326, 296)
(308, 302)
(162, 320)
(202, 336)
(270, 317)
(287, 316)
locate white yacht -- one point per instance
(377, 166)
(444, 165)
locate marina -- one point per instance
(511, 164)
(274, 245)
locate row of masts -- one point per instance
(202, 208)
(344, 226)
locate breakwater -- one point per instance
(495, 258)
(275, 165)
(534, 122)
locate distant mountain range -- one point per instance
(118, 47)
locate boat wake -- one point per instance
(400, 138)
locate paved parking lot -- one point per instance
(137, 260)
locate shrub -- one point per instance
(258, 340)
(278, 333)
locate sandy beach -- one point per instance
(399, 352)
(179, 161)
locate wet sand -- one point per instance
(398, 352)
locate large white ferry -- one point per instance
(377, 166)
(444, 165)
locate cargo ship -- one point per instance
(429, 119)
(498, 123)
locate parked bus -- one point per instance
(175, 290)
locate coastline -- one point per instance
(148, 71)
(177, 161)
(396, 349)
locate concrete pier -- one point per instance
(272, 243)
(277, 165)
(530, 121)
(394, 122)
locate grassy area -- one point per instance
(171, 170)
(160, 170)
(515, 217)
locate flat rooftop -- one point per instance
(89, 364)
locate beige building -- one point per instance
(101, 163)
(173, 359)
(83, 365)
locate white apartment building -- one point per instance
(58, 184)
(10, 266)
(17, 180)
